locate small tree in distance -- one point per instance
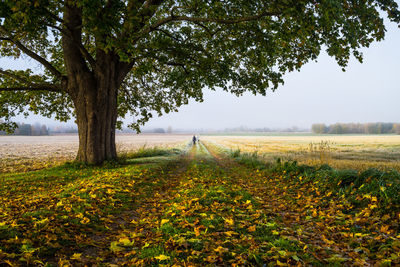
(103, 59)
(318, 128)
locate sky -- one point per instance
(320, 93)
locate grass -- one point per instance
(29, 153)
(199, 206)
(384, 185)
(342, 152)
(145, 152)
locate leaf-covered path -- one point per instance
(220, 212)
(200, 208)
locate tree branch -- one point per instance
(86, 54)
(33, 55)
(81, 47)
(53, 16)
(168, 34)
(213, 20)
(34, 87)
(145, 12)
(14, 76)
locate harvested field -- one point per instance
(344, 151)
(23, 153)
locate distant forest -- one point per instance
(317, 128)
(356, 128)
(39, 129)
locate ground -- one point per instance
(26, 153)
(340, 151)
(194, 206)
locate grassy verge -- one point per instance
(357, 209)
(71, 214)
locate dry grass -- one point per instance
(355, 152)
(24, 153)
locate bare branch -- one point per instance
(35, 87)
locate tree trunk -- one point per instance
(96, 121)
(93, 90)
(96, 113)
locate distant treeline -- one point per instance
(39, 129)
(29, 129)
(356, 128)
(264, 129)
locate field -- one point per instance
(22, 153)
(208, 204)
(343, 151)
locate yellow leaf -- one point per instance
(252, 228)
(314, 213)
(76, 256)
(278, 263)
(384, 229)
(220, 249)
(162, 257)
(85, 220)
(114, 247)
(229, 221)
(230, 233)
(164, 221)
(197, 231)
(367, 196)
(125, 241)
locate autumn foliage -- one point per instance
(195, 208)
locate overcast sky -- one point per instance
(320, 92)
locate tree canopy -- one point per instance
(161, 53)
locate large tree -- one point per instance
(103, 59)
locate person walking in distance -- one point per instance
(194, 139)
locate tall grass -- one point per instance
(348, 183)
(342, 152)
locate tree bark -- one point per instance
(96, 115)
(96, 111)
(93, 90)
